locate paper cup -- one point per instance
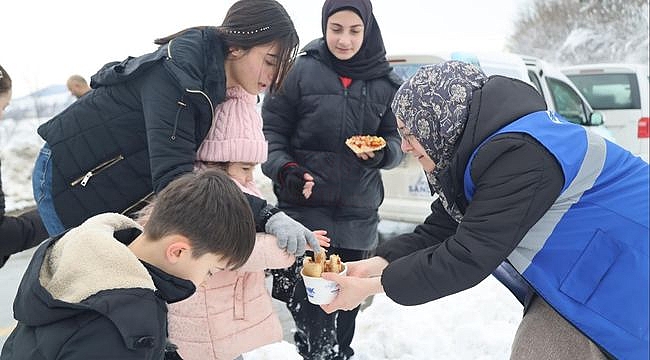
(321, 291)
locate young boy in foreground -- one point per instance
(85, 295)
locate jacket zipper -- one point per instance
(342, 140)
(83, 180)
(364, 103)
(181, 105)
(345, 108)
(140, 201)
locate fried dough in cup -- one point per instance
(311, 268)
(334, 264)
(320, 258)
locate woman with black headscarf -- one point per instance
(556, 213)
(341, 86)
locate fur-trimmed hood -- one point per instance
(74, 268)
(88, 269)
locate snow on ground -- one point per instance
(476, 324)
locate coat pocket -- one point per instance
(611, 279)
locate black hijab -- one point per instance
(370, 61)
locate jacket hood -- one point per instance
(195, 59)
(69, 269)
(87, 269)
(500, 101)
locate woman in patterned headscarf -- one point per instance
(558, 214)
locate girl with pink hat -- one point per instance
(232, 312)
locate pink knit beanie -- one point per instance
(236, 132)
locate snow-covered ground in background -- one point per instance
(19, 146)
(476, 324)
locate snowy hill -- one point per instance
(42, 103)
(20, 144)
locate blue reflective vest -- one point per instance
(588, 255)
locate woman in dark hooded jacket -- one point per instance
(143, 121)
(556, 213)
(340, 87)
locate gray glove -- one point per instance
(292, 235)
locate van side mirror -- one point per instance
(596, 118)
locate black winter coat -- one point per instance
(114, 322)
(18, 233)
(307, 122)
(517, 181)
(138, 129)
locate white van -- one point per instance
(407, 197)
(620, 91)
(563, 97)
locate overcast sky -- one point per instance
(42, 42)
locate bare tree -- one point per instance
(583, 31)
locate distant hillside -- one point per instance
(42, 103)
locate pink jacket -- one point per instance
(232, 312)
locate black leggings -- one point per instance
(318, 333)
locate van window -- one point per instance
(609, 91)
(535, 80)
(567, 102)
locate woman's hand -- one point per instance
(371, 159)
(309, 185)
(352, 291)
(363, 279)
(297, 179)
(367, 268)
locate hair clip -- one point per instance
(251, 32)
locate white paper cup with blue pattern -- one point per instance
(319, 290)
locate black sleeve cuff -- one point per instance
(265, 214)
(262, 211)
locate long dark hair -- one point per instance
(250, 23)
(5, 81)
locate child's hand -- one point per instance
(323, 240)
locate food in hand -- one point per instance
(365, 143)
(315, 267)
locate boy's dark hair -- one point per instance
(210, 210)
(5, 81)
(249, 23)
